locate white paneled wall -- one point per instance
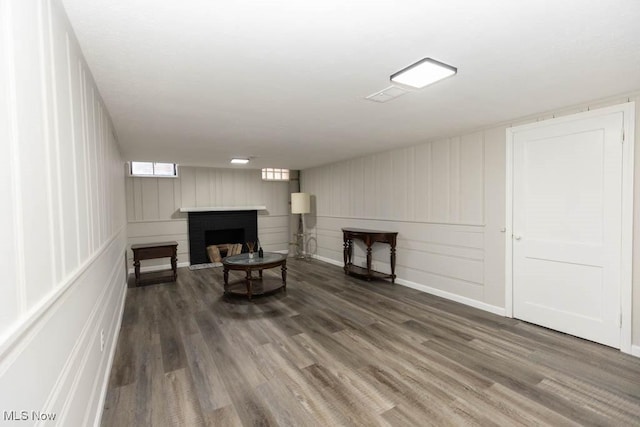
(446, 199)
(431, 194)
(153, 206)
(62, 222)
(439, 182)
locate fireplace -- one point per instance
(219, 227)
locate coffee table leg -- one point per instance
(248, 279)
(284, 275)
(226, 279)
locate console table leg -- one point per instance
(368, 262)
(345, 253)
(393, 264)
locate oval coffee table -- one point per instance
(254, 285)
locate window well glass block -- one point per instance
(164, 169)
(275, 174)
(141, 168)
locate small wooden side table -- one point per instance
(155, 250)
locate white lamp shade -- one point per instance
(300, 203)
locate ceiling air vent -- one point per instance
(387, 94)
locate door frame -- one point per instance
(626, 268)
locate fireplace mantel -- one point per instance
(224, 208)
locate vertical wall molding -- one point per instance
(74, 142)
(14, 155)
(55, 131)
(47, 137)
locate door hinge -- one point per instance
(623, 136)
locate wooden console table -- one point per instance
(152, 251)
(369, 237)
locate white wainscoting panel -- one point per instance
(62, 227)
(434, 195)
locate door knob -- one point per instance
(517, 237)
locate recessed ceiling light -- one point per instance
(239, 161)
(423, 73)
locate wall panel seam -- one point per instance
(74, 153)
(56, 138)
(85, 153)
(404, 221)
(47, 141)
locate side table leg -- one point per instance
(174, 267)
(368, 262)
(284, 275)
(226, 280)
(136, 264)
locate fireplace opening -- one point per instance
(220, 228)
(222, 243)
(226, 236)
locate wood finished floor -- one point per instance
(336, 350)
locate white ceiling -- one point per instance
(198, 81)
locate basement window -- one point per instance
(153, 169)
(271, 174)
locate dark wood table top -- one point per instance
(153, 245)
(243, 260)
(364, 230)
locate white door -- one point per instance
(567, 210)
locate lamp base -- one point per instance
(299, 246)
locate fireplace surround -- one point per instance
(218, 227)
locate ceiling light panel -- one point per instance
(423, 73)
(237, 161)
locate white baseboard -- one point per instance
(328, 260)
(453, 297)
(635, 350)
(433, 291)
(114, 343)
